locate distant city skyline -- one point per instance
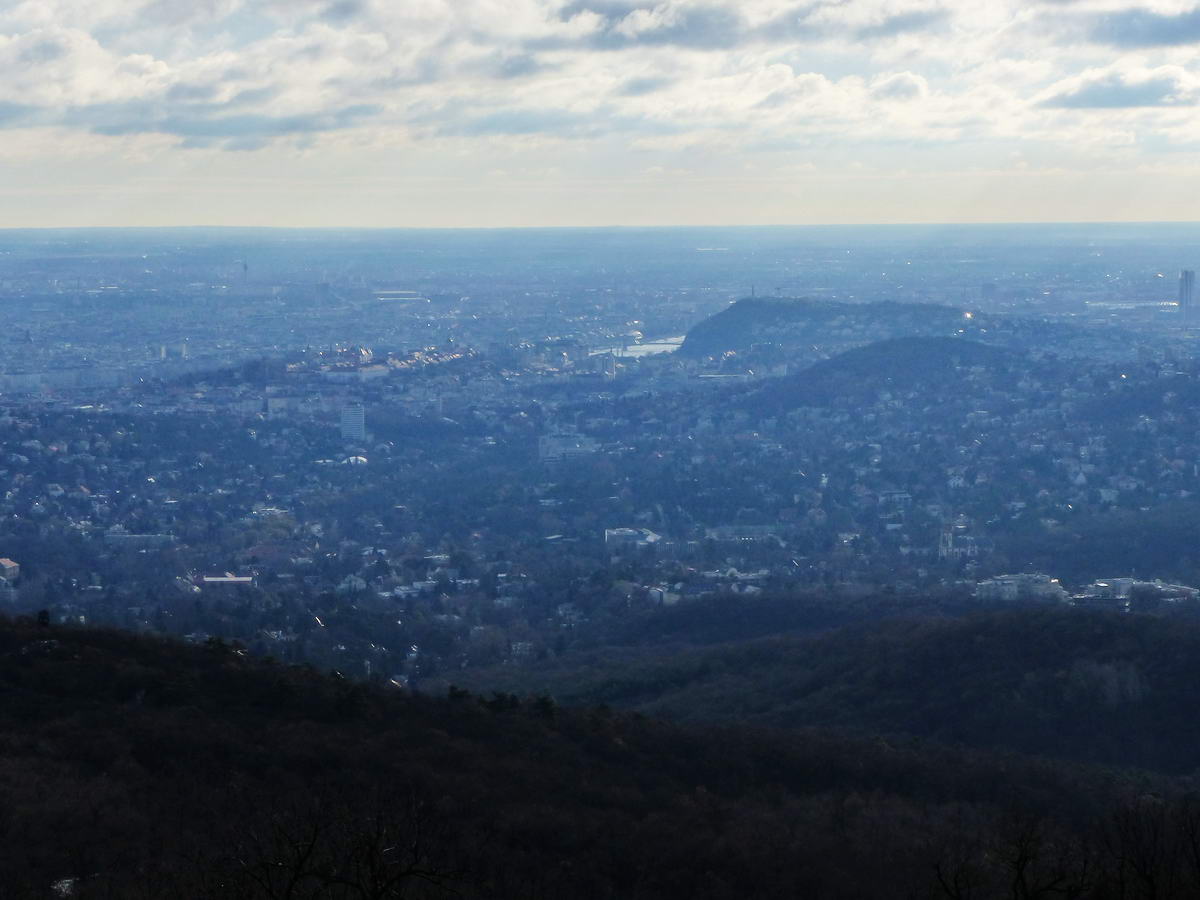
(480, 113)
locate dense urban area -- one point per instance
(403, 455)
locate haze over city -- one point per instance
(596, 112)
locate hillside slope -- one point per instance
(1087, 686)
(138, 767)
(793, 323)
(897, 364)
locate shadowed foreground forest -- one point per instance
(1088, 686)
(138, 767)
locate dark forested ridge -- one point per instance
(1081, 685)
(139, 767)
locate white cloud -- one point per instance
(620, 86)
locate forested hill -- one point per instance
(898, 364)
(1088, 686)
(136, 767)
(761, 333)
(798, 322)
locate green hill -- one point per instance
(135, 767)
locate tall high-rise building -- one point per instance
(1187, 292)
(354, 423)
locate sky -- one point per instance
(497, 113)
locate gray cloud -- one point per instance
(904, 23)
(191, 93)
(611, 10)
(342, 10)
(1118, 91)
(252, 96)
(799, 24)
(463, 119)
(15, 113)
(517, 66)
(639, 87)
(700, 27)
(516, 122)
(241, 145)
(793, 25)
(1143, 28)
(425, 69)
(713, 27)
(43, 51)
(902, 86)
(800, 88)
(181, 12)
(200, 126)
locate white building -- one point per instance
(354, 423)
(617, 539)
(1020, 587)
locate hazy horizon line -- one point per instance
(610, 227)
